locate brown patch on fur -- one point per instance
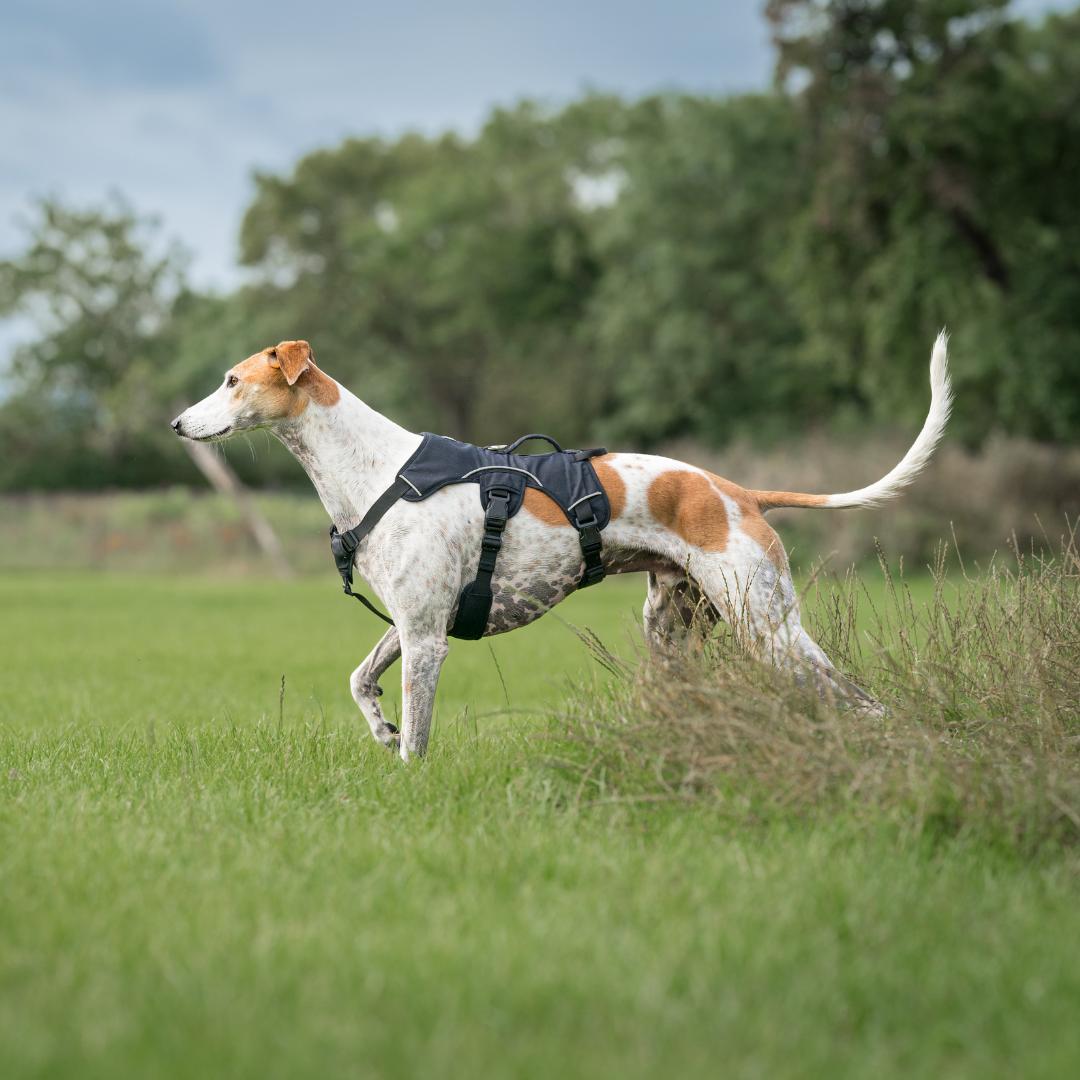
(547, 510)
(277, 398)
(544, 507)
(612, 483)
(256, 369)
(293, 357)
(771, 500)
(320, 387)
(686, 503)
(753, 522)
(764, 535)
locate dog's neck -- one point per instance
(351, 452)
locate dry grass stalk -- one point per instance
(983, 731)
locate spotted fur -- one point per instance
(702, 540)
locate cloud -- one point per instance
(174, 104)
(107, 44)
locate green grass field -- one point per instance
(197, 878)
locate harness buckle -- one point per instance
(593, 576)
(589, 534)
(498, 510)
(342, 544)
(495, 518)
(591, 546)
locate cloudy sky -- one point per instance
(175, 102)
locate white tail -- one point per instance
(913, 463)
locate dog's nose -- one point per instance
(176, 425)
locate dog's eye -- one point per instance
(231, 381)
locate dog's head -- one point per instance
(272, 387)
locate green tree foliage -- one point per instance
(943, 142)
(121, 343)
(446, 278)
(87, 389)
(677, 266)
(691, 318)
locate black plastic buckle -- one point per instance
(498, 510)
(589, 533)
(342, 544)
(495, 518)
(591, 546)
(342, 547)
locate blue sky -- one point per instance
(175, 102)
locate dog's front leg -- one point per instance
(422, 659)
(364, 684)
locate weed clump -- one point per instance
(982, 732)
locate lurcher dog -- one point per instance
(702, 540)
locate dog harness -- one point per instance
(501, 477)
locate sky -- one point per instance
(174, 103)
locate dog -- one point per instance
(703, 541)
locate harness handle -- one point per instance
(525, 438)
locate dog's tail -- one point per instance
(913, 463)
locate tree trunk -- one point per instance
(951, 193)
(225, 482)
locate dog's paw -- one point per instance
(869, 710)
(390, 737)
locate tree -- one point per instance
(690, 317)
(445, 279)
(943, 138)
(100, 382)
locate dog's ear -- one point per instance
(293, 357)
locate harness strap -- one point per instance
(474, 604)
(344, 544)
(591, 546)
(584, 455)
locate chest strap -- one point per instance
(474, 605)
(343, 545)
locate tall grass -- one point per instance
(982, 733)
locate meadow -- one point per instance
(207, 870)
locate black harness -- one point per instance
(566, 476)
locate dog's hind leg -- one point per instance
(422, 660)
(676, 610)
(757, 597)
(792, 648)
(364, 684)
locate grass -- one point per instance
(198, 877)
(981, 733)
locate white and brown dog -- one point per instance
(702, 540)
